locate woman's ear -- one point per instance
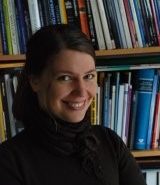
(35, 83)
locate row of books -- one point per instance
(9, 127)
(128, 102)
(152, 176)
(109, 24)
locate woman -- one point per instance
(58, 145)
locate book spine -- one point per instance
(34, 15)
(83, 17)
(13, 27)
(93, 111)
(152, 109)
(63, 12)
(131, 23)
(144, 88)
(52, 15)
(120, 23)
(136, 23)
(125, 24)
(156, 126)
(70, 12)
(98, 26)
(91, 25)
(7, 27)
(104, 24)
(155, 20)
(2, 30)
(21, 25)
(57, 12)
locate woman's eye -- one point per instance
(64, 78)
(90, 76)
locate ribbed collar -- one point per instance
(68, 139)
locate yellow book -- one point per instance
(63, 13)
(93, 111)
(2, 122)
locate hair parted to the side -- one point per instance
(42, 48)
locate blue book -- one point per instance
(140, 21)
(21, 25)
(152, 108)
(106, 97)
(144, 86)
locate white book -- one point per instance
(7, 81)
(125, 23)
(98, 26)
(113, 106)
(125, 103)
(13, 27)
(120, 110)
(104, 24)
(34, 15)
(136, 23)
(151, 177)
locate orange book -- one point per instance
(83, 17)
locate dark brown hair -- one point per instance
(44, 45)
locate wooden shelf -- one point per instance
(100, 53)
(146, 153)
(11, 58)
(128, 52)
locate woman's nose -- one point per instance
(80, 87)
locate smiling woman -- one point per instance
(59, 145)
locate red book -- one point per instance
(83, 17)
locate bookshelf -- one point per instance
(107, 60)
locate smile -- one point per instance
(76, 105)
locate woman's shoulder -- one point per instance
(15, 144)
(110, 140)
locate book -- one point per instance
(98, 26)
(125, 23)
(92, 30)
(104, 22)
(120, 108)
(135, 18)
(106, 100)
(52, 15)
(152, 109)
(70, 12)
(2, 30)
(13, 27)
(21, 24)
(144, 87)
(156, 124)
(7, 27)
(83, 17)
(63, 13)
(34, 15)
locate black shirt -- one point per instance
(40, 156)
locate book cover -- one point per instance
(63, 13)
(152, 109)
(83, 17)
(98, 26)
(104, 24)
(144, 87)
(34, 15)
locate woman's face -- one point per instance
(67, 87)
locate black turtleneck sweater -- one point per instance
(53, 152)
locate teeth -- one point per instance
(76, 105)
